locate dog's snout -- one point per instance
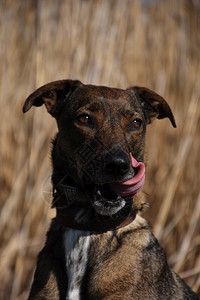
(117, 165)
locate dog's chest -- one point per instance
(76, 254)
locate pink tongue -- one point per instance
(131, 187)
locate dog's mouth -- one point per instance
(108, 199)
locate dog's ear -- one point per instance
(153, 104)
(52, 94)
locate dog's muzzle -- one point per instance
(109, 199)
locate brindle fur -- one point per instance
(127, 263)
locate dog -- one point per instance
(98, 246)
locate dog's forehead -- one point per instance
(95, 97)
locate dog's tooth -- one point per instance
(99, 193)
(119, 197)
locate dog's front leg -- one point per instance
(50, 279)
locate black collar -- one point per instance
(95, 223)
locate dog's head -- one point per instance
(99, 148)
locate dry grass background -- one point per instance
(116, 43)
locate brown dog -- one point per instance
(98, 246)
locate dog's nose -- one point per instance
(117, 164)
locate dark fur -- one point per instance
(127, 263)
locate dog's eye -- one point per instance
(84, 119)
(135, 124)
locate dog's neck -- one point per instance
(86, 219)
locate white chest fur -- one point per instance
(76, 254)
